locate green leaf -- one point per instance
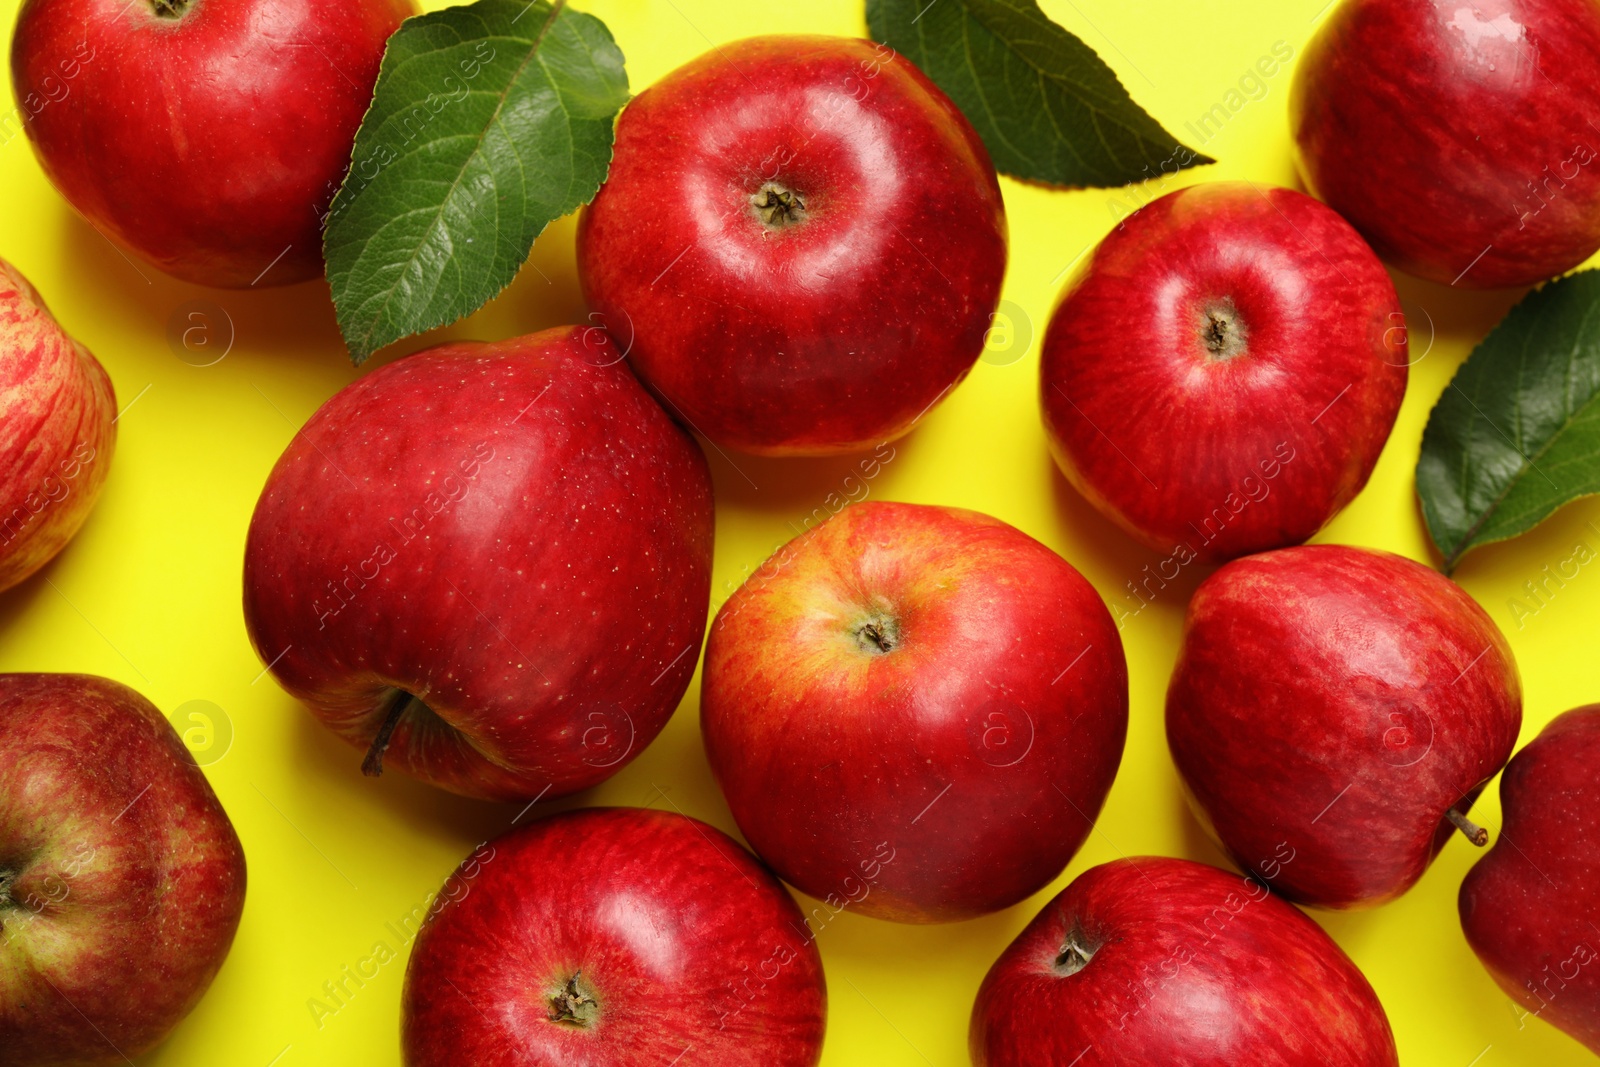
(1047, 107)
(488, 122)
(1517, 432)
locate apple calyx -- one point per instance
(399, 703)
(572, 1005)
(878, 635)
(1075, 954)
(1221, 330)
(1469, 829)
(778, 207)
(170, 9)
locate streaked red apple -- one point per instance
(57, 432)
(613, 937)
(487, 564)
(121, 879)
(1166, 961)
(1344, 703)
(915, 711)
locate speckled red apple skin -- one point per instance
(834, 334)
(1338, 702)
(1460, 139)
(1191, 966)
(57, 431)
(1529, 907)
(211, 143)
(694, 952)
(548, 600)
(948, 777)
(124, 859)
(1219, 457)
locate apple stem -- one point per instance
(1469, 829)
(372, 766)
(1075, 955)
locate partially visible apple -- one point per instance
(804, 239)
(487, 564)
(121, 879)
(1221, 375)
(1530, 907)
(57, 410)
(613, 937)
(1460, 139)
(1166, 961)
(1345, 704)
(915, 711)
(208, 136)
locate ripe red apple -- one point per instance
(915, 711)
(208, 136)
(614, 937)
(488, 564)
(1458, 138)
(1221, 375)
(121, 879)
(57, 410)
(1345, 704)
(1530, 907)
(805, 239)
(1165, 961)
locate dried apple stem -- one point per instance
(1469, 829)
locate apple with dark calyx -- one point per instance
(1221, 375)
(1167, 961)
(207, 136)
(613, 937)
(1459, 139)
(1529, 908)
(487, 564)
(803, 238)
(1344, 704)
(915, 711)
(121, 879)
(57, 432)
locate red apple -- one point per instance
(915, 711)
(1530, 907)
(1221, 375)
(613, 937)
(1460, 139)
(1165, 961)
(57, 411)
(803, 237)
(488, 564)
(121, 879)
(1345, 704)
(208, 136)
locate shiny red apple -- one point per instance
(915, 712)
(208, 136)
(803, 238)
(1460, 139)
(487, 564)
(1346, 704)
(1530, 907)
(57, 432)
(121, 879)
(614, 937)
(1221, 375)
(1165, 961)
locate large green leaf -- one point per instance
(1047, 107)
(1517, 433)
(489, 121)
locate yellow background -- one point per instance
(149, 591)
